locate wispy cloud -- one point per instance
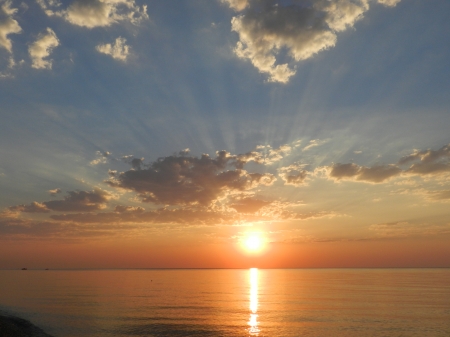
(404, 229)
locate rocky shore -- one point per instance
(17, 327)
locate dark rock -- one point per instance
(18, 327)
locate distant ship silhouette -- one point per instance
(24, 268)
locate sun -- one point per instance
(253, 243)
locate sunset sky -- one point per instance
(138, 133)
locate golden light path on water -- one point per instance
(253, 322)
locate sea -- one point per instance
(231, 302)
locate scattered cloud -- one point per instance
(428, 162)
(439, 195)
(311, 215)
(268, 28)
(219, 190)
(428, 195)
(237, 5)
(404, 229)
(80, 201)
(96, 13)
(314, 143)
(374, 174)
(389, 3)
(8, 25)
(138, 215)
(119, 50)
(421, 163)
(75, 201)
(34, 207)
(182, 179)
(54, 192)
(42, 48)
(248, 205)
(266, 155)
(102, 158)
(294, 174)
(24, 229)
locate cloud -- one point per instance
(266, 155)
(237, 5)
(182, 179)
(439, 195)
(102, 158)
(13, 228)
(79, 201)
(8, 25)
(34, 207)
(294, 174)
(404, 229)
(311, 215)
(428, 162)
(42, 48)
(119, 50)
(163, 215)
(268, 28)
(314, 143)
(374, 174)
(75, 201)
(431, 196)
(96, 13)
(389, 3)
(54, 192)
(248, 205)
(421, 163)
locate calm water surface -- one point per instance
(274, 302)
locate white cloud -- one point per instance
(42, 48)
(54, 191)
(268, 28)
(119, 50)
(237, 5)
(102, 158)
(96, 13)
(389, 3)
(7, 25)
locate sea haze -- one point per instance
(231, 302)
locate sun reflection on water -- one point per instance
(253, 322)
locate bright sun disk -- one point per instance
(253, 243)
